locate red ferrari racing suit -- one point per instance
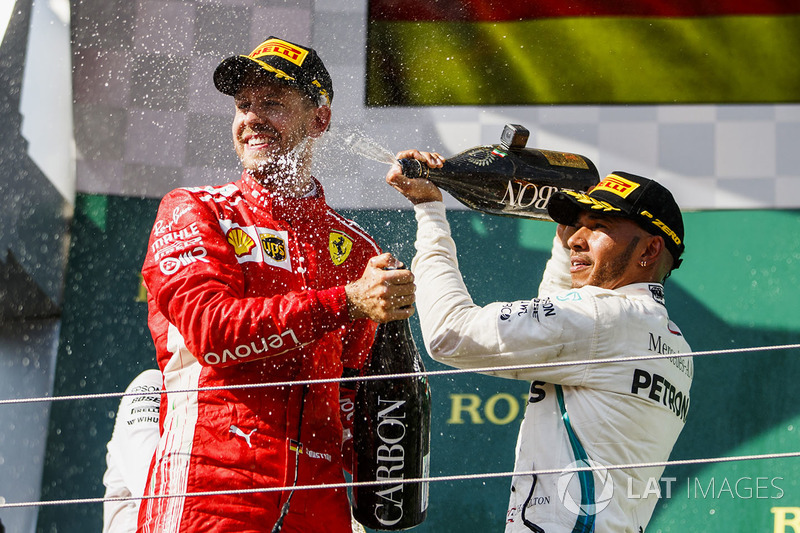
(245, 288)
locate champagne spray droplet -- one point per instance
(362, 145)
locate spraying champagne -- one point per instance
(508, 179)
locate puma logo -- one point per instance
(239, 433)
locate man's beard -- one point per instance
(613, 270)
(282, 171)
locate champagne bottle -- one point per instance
(391, 434)
(508, 179)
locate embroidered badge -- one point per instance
(339, 245)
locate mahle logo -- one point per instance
(572, 485)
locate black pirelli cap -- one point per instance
(622, 194)
(287, 62)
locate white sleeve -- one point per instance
(556, 275)
(130, 451)
(459, 333)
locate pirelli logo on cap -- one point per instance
(277, 47)
(616, 185)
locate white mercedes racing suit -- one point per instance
(130, 451)
(602, 414)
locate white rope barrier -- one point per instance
(447, 372)
(437, 479)
(434, 373)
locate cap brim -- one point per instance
(232, 72)
(563, 209)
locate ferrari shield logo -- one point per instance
(339, 245)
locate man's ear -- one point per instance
(654, 250)
(320, 122)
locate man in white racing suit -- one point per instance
(130, 451)
(601, 299)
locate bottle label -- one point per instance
(390, 458)
(521, 194)
(391, 429)
(563, 159)
(479, 156)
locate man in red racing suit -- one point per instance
(260, 282)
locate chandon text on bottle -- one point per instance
(508, 179)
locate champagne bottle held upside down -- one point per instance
(508, 179)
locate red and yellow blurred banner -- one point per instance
(486, 52)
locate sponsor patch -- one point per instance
(170, 265)
(571, 296)
(617, 185)
(542, 308)
(277, 47)
(242, 242)
(658, 293)
(258, 245)
(273, 246)
(173, 242)
(658, 389)
(662, 226)
(272, 345)
(339, 246)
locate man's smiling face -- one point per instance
(272, 121)
(605, 251)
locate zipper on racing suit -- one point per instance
(298, 449)
(530, 525)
